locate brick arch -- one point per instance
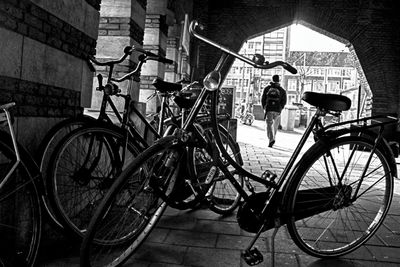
(371, 27)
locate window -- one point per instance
(333, 86)
(292, 99)
(250, 45)
(319, 86)
(292, 84)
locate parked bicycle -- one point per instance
(21, 191)
(332, 200)
(85, 162)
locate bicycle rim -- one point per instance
(129, 211)
(329, 218)
(86, 164)
(20, 214)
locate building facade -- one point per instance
(322, 72)
(248, 80)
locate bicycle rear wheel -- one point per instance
(131, 208)
(338, 196)
(20, 213)
(83, 168)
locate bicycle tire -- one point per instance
(115, 250)
(78, 180)
(20, 210)
(46, 150)
(324, 221)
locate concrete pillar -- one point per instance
(121, 24)
(43, 47)
(155, 40)
(288, 117)
(173, 53)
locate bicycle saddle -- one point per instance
(185, 99)
(164, 87)
(327, 101)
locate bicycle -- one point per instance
(333, 199)
(86, 161)
(21, 191)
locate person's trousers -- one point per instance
(272, 118)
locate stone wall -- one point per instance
(43, 47)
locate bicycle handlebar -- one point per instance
(128, 51)
(266, 65)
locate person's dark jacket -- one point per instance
(282, 98)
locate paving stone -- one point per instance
(388, 254)
(218, 227)
(160, 253)
(207, 257)
(281, 259)
(191, 238)
(177, 222)
(241, 242)
(158, 235)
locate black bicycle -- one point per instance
(332, 200)
(86, 161)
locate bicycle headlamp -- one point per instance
(212, 80)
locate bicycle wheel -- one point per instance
(338, 196)
(131, 208)
(222, 195)
(55, 135)
(48, 145)
(83, 167)
(20, 213)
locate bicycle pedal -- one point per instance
(268, 175)
(252, 256)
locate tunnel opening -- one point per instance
(325, 62)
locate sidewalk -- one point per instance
(203, 238)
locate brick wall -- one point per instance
(43, 51)
(38, 98)
(117, 26)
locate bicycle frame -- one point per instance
(273, 188)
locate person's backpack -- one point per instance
(273, 99)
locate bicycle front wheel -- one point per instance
(131, 208)
(48, 146)
(20, 213)
(222, 195)
(83, 168)
(338, 196)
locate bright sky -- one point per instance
(305, 39)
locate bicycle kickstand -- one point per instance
(273, 245)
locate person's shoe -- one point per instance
(271, 143)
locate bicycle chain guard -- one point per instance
(248, 214)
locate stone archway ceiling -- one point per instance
(372, 27)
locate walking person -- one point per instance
(273, 101)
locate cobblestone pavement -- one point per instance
(203, 238)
